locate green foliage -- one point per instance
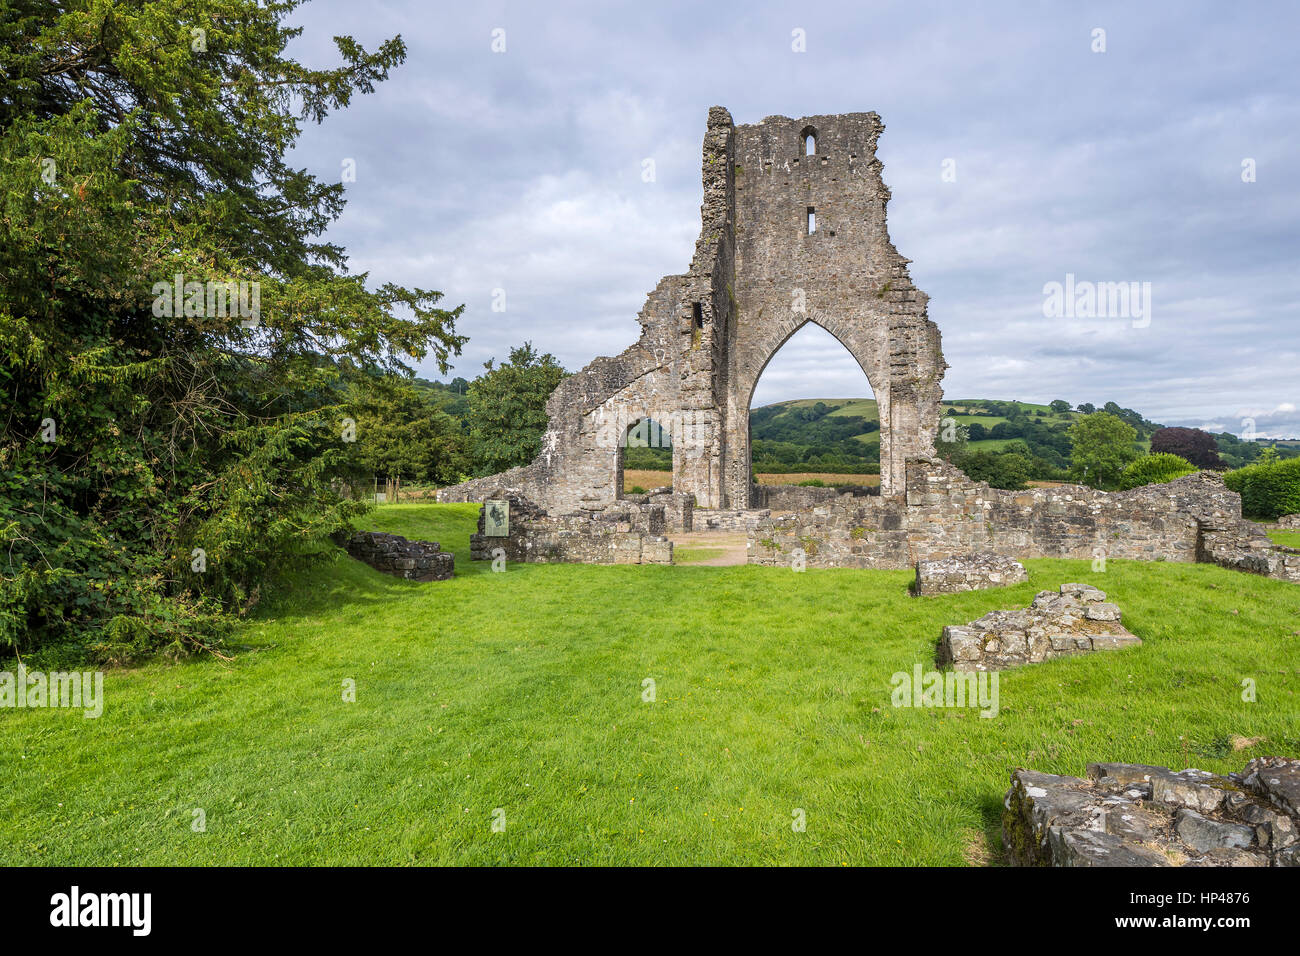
(508, 409)
(950, 440)
(1001, 470)
(791, 437)
(402, 433)
(1155, 469)
(1267, 490)
(648, 459)
(163, 461)
(1101, 447)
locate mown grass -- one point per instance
(1289, 538)
(523, 691)
(695, 555)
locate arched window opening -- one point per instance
(809, 137)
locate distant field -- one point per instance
(643, 478)
(657, 479)
(869, 481)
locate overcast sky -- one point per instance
(522, 171)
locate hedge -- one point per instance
(1268, 490)
(1155, 469)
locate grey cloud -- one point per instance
(523, 171)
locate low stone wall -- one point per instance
(945, 513)
(708, 520)
(1289, 523)
(1136, 815)
(1077, 620)
(626, 533)
(966, 572)
(679, 510)
(1243, 546)
(515, 482)
(803, 497)
(393, 554)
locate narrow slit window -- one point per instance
(809, 145)
(812, 220)
(697, 314)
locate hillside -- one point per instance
(844, 433)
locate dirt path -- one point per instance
(718, 548)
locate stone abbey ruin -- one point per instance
(793, 230)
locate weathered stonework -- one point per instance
(627, 533)
(801, 498)
(393, 554)
(967, 572)
(945, 513)
(758, 275)
(1242, 546)
(1077, 620)
(1289, 523)
(1136, 815)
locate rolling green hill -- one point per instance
(844, 433)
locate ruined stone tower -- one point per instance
(792, 231)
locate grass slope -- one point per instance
(523, 691)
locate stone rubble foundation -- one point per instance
(967, 572)
(1077, 620)
(393, 554)
(1137, 815)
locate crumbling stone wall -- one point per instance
(1076, 620)
(627, 533)
(802, 498)
(756, 277)
(393, 554)
(1138, 815)
(946, 513)
(967, 572)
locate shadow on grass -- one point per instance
(991, 812)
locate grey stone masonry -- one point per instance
(627, 533)
(946, 513)
(729, 520)
(801, 498)
(1289, 522)
(1243, 546)
(967, 572)
(760, 272)
(1138, 815)
(393, 554)
(1077, 620)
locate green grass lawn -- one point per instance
(523, 691)
(695, 555)
(1289, 538)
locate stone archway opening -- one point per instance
(645, 456)
(813, 417)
